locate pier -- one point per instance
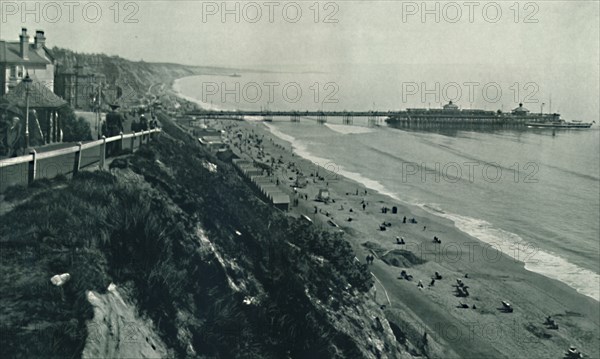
(374, 117)
(416, 117)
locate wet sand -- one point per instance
(485, 331)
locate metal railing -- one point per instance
(66, 161)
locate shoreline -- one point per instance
(435, 309)
(505, 248)
(378, 187)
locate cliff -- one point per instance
(140, 81)
(172, 256)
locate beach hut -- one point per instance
(281, 201)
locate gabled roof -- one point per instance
(10, 52)
(39, 96)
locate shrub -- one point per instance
(74, 129)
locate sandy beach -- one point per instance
(472, 326)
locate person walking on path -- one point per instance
(114, 127)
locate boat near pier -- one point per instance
(560, 124)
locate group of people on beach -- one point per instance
(370, 259)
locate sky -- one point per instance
(247, 33)
(559, 41)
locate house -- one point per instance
(19, 58)
(80, 87)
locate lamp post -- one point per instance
(27, 80)
(542, 109)
(99, 118)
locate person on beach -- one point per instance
(404, 219)
(420, 285)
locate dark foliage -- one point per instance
(74, 129)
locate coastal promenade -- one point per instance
(67, 161)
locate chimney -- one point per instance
(40, 39)
(24, 44)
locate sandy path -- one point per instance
(117, 332)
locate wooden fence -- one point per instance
(65, 161)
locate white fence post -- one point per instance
(31, 172)
(77, 164)
(102, 152)
(133, 141)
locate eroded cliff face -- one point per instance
(117, 331)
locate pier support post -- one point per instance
(295, 118)
(372, 121)
(348, 120)
(321, 119)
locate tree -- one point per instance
(74, 129)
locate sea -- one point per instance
(532, 194)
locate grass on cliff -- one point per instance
(102, 228)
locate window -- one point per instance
(13, 71)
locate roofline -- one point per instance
(40, 65)
(49, 53)
(23, 62)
